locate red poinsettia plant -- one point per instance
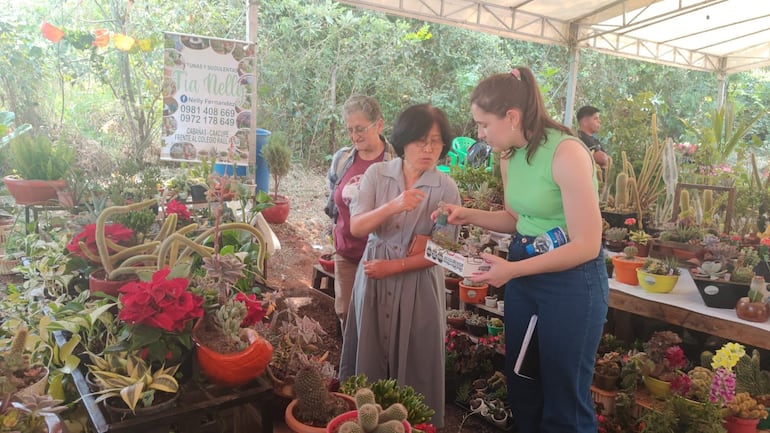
(159, 316)
(180, 209)
(83, 244)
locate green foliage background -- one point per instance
(312, 55)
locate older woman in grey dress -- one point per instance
(396, 324)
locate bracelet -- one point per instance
(403, 264)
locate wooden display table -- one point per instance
(684, 307)
(201, 408)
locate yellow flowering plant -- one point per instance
(639, 237)
(723, 381)
(727, 356)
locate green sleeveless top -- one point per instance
(531, 191)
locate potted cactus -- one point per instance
(615, 238)
(659, 276)
(314, 405)
(370, 417)
(626, 265)
(19, 376)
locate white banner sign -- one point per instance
(206, 98)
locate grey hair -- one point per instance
(366, 105)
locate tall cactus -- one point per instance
(621, 191)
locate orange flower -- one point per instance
(101, 38)
(51, 32)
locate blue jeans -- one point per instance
(572, 307)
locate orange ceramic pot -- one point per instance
(234, 369)
(298, 427)
(625, 270)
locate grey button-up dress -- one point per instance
(398, 323)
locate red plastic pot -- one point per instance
(334, 424)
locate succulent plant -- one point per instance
(616, 234)
(668, 266)
(630, 252)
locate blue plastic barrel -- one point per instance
(226, 168)
(262, 175)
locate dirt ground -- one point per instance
(304, 237)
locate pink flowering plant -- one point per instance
(638, 237)
(158, 317)
(723, 382)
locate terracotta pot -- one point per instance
(299, 427)
(279, 212)
(281, 388)
(98, 282)
(234, 369)
(625, 270)
(642, 250)
(605, 382)
(473, 294)
(456, 322)
(752, 311)
(31, 192)
(740, 425)
(335, 424)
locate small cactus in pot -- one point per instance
(373, 418)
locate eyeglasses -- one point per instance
(422, 144)
(360, 130)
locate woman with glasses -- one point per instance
(550, 181)
(363, 121)
(396, 319)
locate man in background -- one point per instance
(588, 125)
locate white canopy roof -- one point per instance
(722, 36)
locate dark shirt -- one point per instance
(592, 142)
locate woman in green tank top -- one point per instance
(550, 181)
